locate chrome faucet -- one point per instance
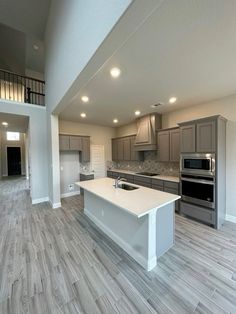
(117, 181)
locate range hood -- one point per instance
(146, 135)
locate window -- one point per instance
(13, 136)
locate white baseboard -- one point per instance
(70, 194)
(40, 200)
(231, 218)
(147, 264)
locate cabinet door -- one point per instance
(127, 148)
(163, 145)
(206, 137)
(174, 145)
(135, 155)
(85, 149)
(114, 149)
(76, 143)
(120, 149)
(187, 139)
(144, 131)
(64, 142)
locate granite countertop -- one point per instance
(137, 202)
(160, 177)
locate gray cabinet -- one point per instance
(187, 138)
(168, 145)
(114, 149)
(120, 149)
(64, 142)
(206, 137)
(127, 149)
(163, 145)
(123, 149)
(75, 143)
(85, 154)
(174, 145)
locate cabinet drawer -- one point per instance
(143, 179)
(172, 191)
(86, 177)
(146, 184)
(197, 212)
(157, 182)
(128, 177)
(115, 174)
(157, 187)
(171, 185)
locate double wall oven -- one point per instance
(198, 179)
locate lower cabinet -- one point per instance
(85, 177)
(160, 185)
(198, 212)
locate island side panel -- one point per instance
(165, 228)
(131, 233)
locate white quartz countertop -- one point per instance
(160, 177)
(137, 202)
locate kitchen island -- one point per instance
(140, 221)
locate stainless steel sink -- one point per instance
(127, 187)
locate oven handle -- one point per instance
(198, 181)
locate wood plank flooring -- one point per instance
(57, 261)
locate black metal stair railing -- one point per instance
(21, 88)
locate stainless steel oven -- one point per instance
(198, 189)
(200, 164)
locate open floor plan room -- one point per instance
(58, 261)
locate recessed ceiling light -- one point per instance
(172, 100)
(85, 98)
(115, 120)
(83, 115)
(137, 112)
(36, 47)
(5, 123)
(115, 72)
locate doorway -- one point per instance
(14, 161)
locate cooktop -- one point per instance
(149, 174)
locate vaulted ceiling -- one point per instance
(27, 18)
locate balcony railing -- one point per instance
(20, 88)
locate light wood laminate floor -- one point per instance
(57, 261)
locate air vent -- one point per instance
(156, 105)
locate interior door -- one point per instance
(14, 161)
(98, 164)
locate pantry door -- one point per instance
(98, 164)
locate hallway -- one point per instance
(57, 261)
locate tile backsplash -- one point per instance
(150, 164)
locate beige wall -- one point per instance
(4, 145)
(128, 129)
(227, 108)
(98, 134)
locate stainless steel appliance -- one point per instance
(198, 189)
(199, 164)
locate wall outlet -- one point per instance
(71, 187)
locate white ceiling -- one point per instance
(16, 123)
(186, 48)
(30, 18)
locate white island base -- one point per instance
(144, 238)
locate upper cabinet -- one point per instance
(76, 143)
(206, 137)
(123, 149)
(198, 136)
(187, 138)
(168, 145)
(146, 134)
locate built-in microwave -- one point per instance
(200, 164)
